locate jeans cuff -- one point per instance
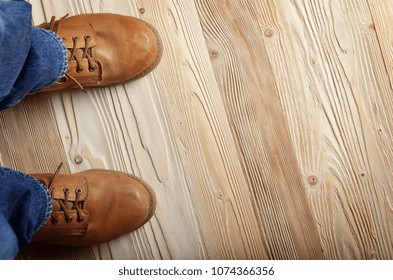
(49, 206)
(64, 58)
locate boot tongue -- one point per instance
(44, 178)
(57, 208)
(78, 53)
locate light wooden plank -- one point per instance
(249, 92)
(23, 130)
(335, 91)
(382, 13)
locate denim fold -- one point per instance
(31, 58)
(25, 206)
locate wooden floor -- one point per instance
(266, 131)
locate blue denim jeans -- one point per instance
(25, 206)
(30, 59)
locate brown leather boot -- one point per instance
(105, 49)
(94, 206)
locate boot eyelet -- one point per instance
(66, 190)
(79, 69)
(93, 68)
(54, 221)
(78, 190)
(62, 80)
(68, 220)
(87, 37)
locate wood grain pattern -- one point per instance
(248, 88)
(382, 14)
(266, 130)
(330, 78)
(24, 129)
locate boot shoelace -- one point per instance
(63, 202)
(87, 51)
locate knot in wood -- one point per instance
(269, 33)
(312, 180)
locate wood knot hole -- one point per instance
(312, 180)
(269, 33)
(213, 54)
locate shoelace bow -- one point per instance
(54, 26)
(64, 202)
